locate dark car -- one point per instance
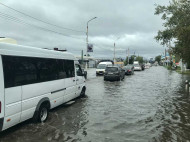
(113, 73)
(129, 69)
(143, 66)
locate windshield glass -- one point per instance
(101, 66)
(137, 65)
(111, 69)
(127, 67)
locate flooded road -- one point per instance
(150, 105)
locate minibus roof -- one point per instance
(27, 51)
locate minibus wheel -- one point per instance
(42, 114)
(83, 92)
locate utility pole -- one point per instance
(114, 60)
(128, 56)
(87, 37)
(114, 54)
(82, 57)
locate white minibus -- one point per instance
(34, 80)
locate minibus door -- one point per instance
(79, 79)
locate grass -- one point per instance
(184, 72)
(178, 70)
(168, 67)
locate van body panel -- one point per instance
(70, 92)
(12, 95)
(2, 96)
(12, 106)
(11, 120)
(80, 79)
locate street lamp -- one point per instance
(87, 37)
(114, 48)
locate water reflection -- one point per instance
(63, 124)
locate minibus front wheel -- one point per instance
(82, 94)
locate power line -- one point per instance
(100, 46)
(17, 20)
(40, 19)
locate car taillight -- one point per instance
(0, 106)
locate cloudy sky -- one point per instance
(129, 23)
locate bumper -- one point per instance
(128, 73)
(137, 69)
(100, 73)
(111, 77)
(1, 123)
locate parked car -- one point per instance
(143, 66)
(113, 73)
(147, 66)
(137, 68)
(129, 69)
(101, 67)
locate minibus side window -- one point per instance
(61, 69)
(28, 70)
(69, 68)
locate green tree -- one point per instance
(134, 58)
(158, 58)
(177, 28)
(126, 61)
(140, 59)
(131, 60)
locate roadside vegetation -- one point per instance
(134, 58)
(176, 33)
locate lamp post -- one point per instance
(114, 48)
(87, 37)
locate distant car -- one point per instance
(129, 69)
(137, 68)
(101, 67)
(147, 66)
(113, 73)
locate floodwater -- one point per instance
(149, 106)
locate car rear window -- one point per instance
(111, 69)
(127, 67)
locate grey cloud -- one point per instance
(133, 20)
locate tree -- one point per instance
(140, 59)
(134, 58)
(158, 58)
(177, 28)
(131, 60)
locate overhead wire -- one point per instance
(12, 18)
(40, 19)
(101, 46)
